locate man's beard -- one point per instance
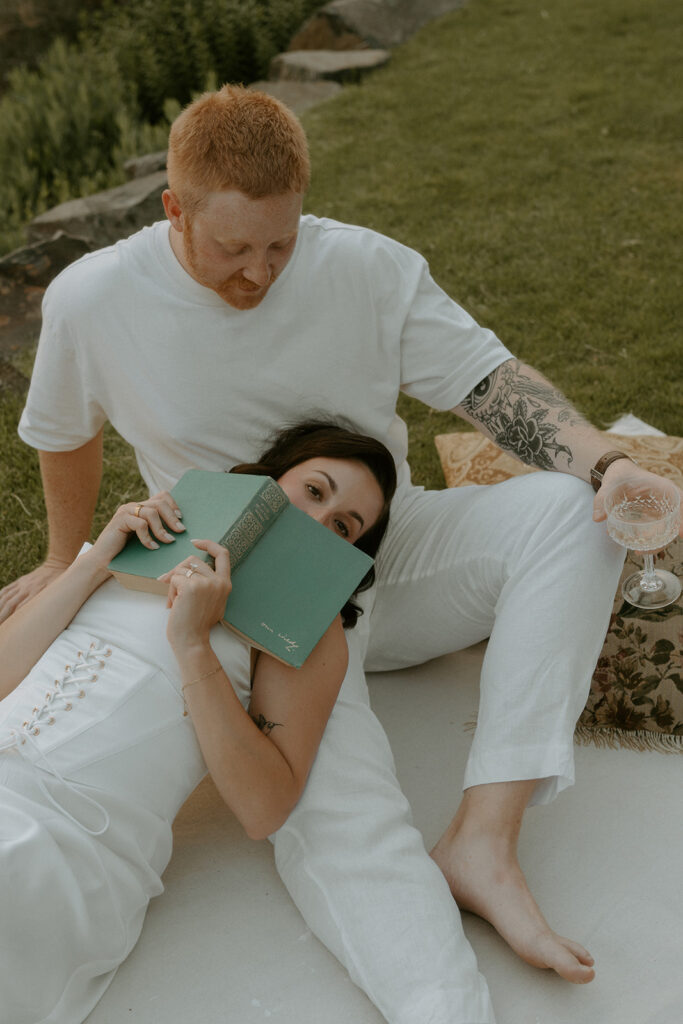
(240, 293)
(237, 290)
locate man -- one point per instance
(197, 338)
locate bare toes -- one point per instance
(570, 961)
(580, 975)
(491, 884)
(581, 954)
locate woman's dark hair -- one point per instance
(313, 439)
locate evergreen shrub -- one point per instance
(167, 47)
(67, 127)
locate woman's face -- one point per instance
(342, 494)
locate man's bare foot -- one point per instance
(485, 878)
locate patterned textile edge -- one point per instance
(638, 644)
(629, 739)
(610, 736)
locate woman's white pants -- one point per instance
(524, 564)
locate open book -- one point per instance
(290, 575)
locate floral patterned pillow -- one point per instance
(636, 695)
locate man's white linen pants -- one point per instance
(524, 564)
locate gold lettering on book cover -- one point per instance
(290, 645)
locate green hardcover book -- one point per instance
(231, 508)
(290, 575)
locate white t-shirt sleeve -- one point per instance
(61, 411)
(444, 352)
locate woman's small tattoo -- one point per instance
(263, 724)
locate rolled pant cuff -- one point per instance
(554, 768)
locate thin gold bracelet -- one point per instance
(206, 675)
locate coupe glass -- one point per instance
(645, 518)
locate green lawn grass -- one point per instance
(532, 151)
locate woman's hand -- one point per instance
(148, 519)
(197, 595)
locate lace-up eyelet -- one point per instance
(74, 683)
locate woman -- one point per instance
(115, 704)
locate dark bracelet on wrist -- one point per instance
(598, 470)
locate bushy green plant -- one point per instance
(167, 47)
(63, 129)
(29, 29)
(67, 127)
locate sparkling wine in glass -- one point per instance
(645, 518)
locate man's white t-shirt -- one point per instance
(355, 317)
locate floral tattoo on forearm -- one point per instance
(263, 724)
(522, 415)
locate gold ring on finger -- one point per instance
(137, 511)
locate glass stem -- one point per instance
(649, 580)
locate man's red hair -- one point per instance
(236, 139)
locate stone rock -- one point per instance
(11, 380)
(339, 65)
(375, 23)
(105, 217)
(327, 31)
(37, 264)
(141, 166)
(24, 276)
(19, 315)
(298, 96)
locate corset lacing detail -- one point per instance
(73, 685)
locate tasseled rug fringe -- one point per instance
(610, 736)
(629, 739)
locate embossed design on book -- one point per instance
(254, 521)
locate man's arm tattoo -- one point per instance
(263, 724)
(522, 415)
